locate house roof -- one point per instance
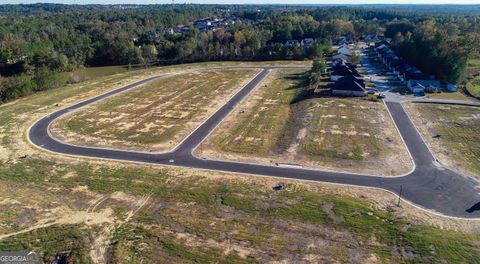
(348, 85)
(344, 49)
(293, 42)
(339, 55)
(308, 41)
(425, 83)
(349, 77)
(383, 42)
(416, 76)
(417, 85)
(338, 62)
(343, 70)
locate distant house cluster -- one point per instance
(306, 42)
(204, 25)
(416, 81)
(348, 82)
(344, 41)
(373, 38)
(343, 52)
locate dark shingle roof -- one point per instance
(347, 69)
(349, 78)
(348, 85)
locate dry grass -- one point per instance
(459, 143)
(155, 116)
(353, 134)
(260, 120)
(180, 215)
(276, 124)
(452, 96)
(132, 213)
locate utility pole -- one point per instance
(400, 196)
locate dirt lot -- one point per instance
(154, 117)
(452, 132)
(275, 124)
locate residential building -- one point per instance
(292, 42)
(308, 42)
(348, 87)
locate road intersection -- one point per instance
(429, 186)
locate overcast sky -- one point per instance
(246, 1)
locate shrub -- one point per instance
(47, 79)
(15, 87)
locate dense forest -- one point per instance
(39, 41)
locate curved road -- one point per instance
(430, 186)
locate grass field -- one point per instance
(113, 212)
(154, 117)
(262, 126)
(278, 124)
(458, 126)
(178, 216)
(89, 73)
(342, 129)
(451, 96)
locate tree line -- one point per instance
(39, 41)
(439, 47)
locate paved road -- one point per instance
(429, 186)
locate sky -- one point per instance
(245, 1)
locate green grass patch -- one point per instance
(49, 241)
(89, 73)
(239, 203)
(148, 246)
(473, 86)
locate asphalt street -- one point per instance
(430, 186)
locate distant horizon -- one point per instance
(249, 2)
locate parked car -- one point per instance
(382, 95)
(371, 92)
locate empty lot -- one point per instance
(278, 124)
(451, 132)
(128, 211)
(155, 116)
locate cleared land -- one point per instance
(452, 96)
(106, 213)
(115, 212)
(155, 116)
(278, 124)
(89, 73)
(452, 132)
